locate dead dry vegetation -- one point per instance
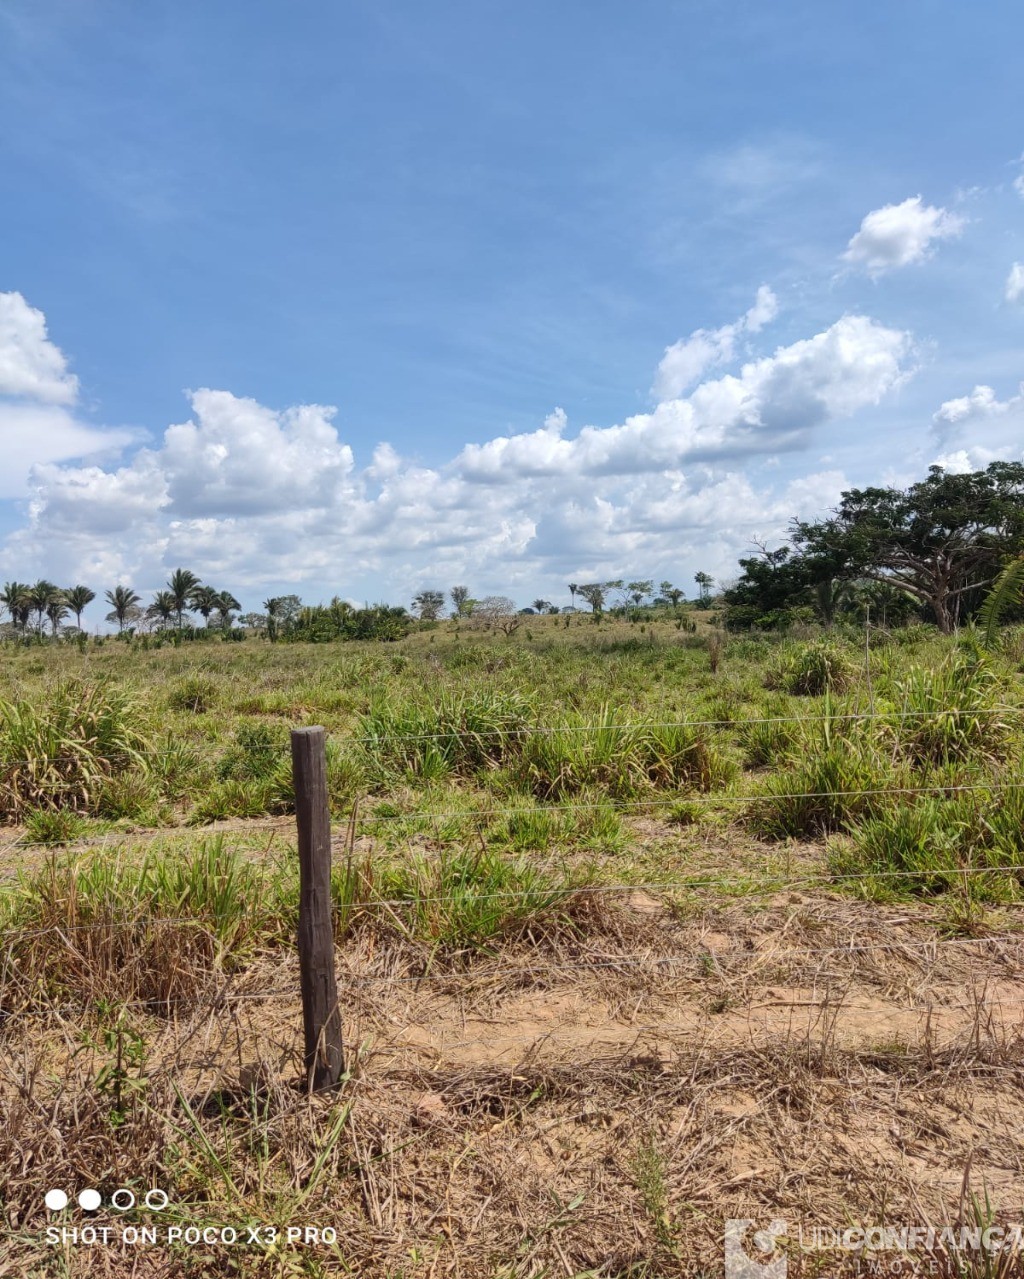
(601, 991)
(590, 1100)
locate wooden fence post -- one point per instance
(321, 1016)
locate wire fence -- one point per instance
(388, 737)
(515, 975)
(744, 886)
(762, 887)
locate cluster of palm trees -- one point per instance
(34, 606)
(184, 593)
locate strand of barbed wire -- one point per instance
(708, 798)
(469, 733)
(744, 888)
(697, 962)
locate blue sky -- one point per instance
(447, 222)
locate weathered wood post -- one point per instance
(321, 1017)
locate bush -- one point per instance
(53, 827)
(458, 733)
(256, 753)
(60, 757)
(840, 777)
(624, 759)
(811, 670)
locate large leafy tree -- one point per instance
(273, 607)
(459, 595)
(942, 540)
(56, 611)
(771, 585)
(226, 604)
(163, 608)
(594, 593)
(78, 599)
(639, 591)
(282, 614)
(204, 600)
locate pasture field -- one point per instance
(638, 929)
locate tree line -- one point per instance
(30, 607)
(429, 605)
(933, 550)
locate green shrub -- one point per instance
(768, 739)
(255, 754)
(53, 826)
(457, 733)
(842, 774)
(625, 760)
(811, 670)
(914, 846)
(454, 902)
(132, 796)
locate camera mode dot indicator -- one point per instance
(55, 1200)
(90, 1200)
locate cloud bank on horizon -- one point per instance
(248, 494)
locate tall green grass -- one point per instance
(63, 753)
(838, 772)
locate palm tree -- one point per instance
(573, 588)
(57, 610)
(42, 596)
(273, 607)
(162, 608)
(225, 602)
(16, 597)
(705, 582)
(78, 598)
(204, 600)
(181, 584)
(122, 601)
(541, 606)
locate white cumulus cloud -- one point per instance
(900, 234)
(772, 404)
(30, 364)
(687, 360)
(979, 428)
(37, 397)
(246, 495)
(1015, 283)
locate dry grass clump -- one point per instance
(96, 929)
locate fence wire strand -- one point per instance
(698, 963)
